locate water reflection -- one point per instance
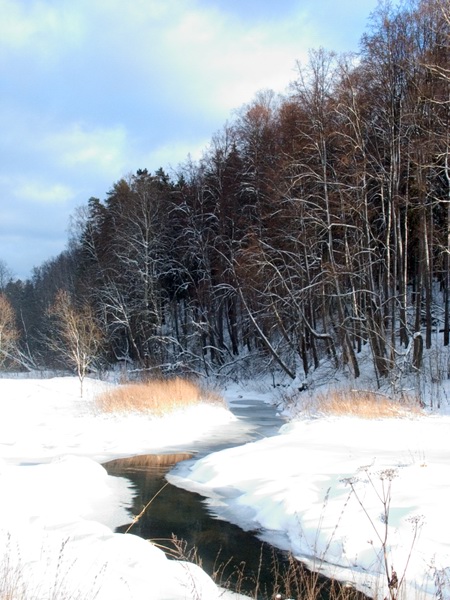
(223, 548)
(238, 557)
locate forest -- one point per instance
(314, 230)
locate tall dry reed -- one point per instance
(365, 404)
(156, 397)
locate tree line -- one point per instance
(316, 228)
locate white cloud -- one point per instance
(15, 29)
(94, 89)
(91, 148)
(201, 57)
(40, 28)
(20, 195)
(61, 150)
(190, 56)
(222, 62)
(41, 193)
(174, 153)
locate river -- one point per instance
(181, 523)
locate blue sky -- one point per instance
(91, 90)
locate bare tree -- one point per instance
(8, 331)
(5, 274)
(319, 181)
(76, 336)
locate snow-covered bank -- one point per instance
(55, 545)
(45, 418)
(295, 488)
(58, 506)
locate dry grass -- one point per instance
(291, 579)
(365, 404)
(157, 397)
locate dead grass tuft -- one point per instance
(157, 397)
(365, 404)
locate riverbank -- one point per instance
(59, 507)
(327, 488)
(340, 492)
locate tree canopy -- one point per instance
(315, 228)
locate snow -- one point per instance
(323, 487)
(59, 507)
(320, 488)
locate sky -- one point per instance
(92, 90)
(59, 507)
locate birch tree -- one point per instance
(76, 337)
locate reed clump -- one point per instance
(365, 404)
(157, 397)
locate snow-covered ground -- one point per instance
(320, 488)
(302, 489)
(59, 508)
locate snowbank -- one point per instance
(59, 507)
(321, 489)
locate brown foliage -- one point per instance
(8, 332)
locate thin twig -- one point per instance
(137, 517)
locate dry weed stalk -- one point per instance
(156, 396)
(137, 517)
(55, 579)
(294, 580)
(290, 578)
(394, 581)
